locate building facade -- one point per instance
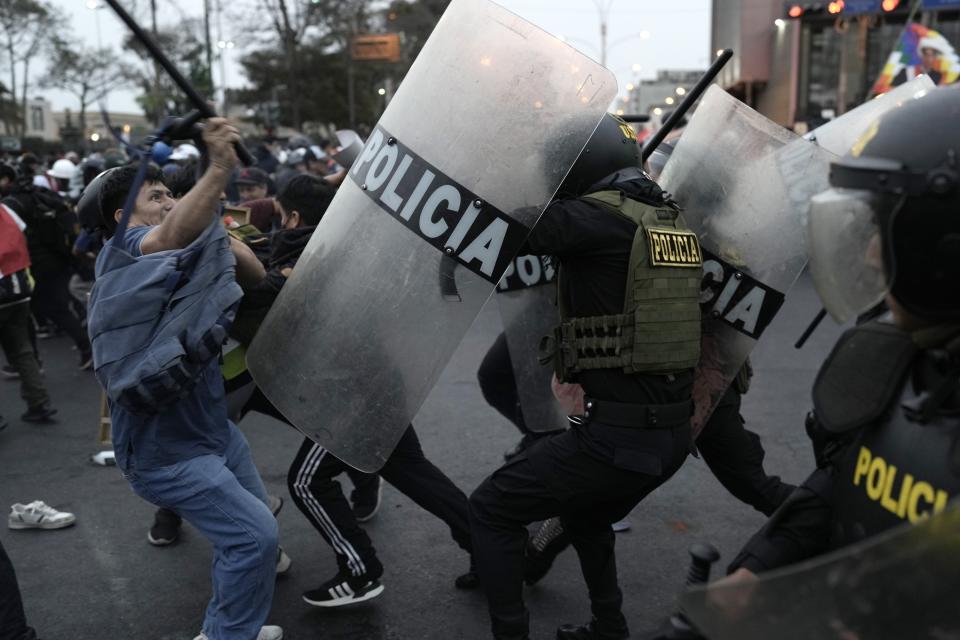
(800, 63)
(663, 92)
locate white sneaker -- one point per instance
(283, 561)
(38, 515)
(270, 632)
(267, 632)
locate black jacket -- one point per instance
(286, 245)
(592, 245)
(51, 226)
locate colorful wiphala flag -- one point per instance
(920, 50)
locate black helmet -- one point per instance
(89, 205)
(899, 188)
(612, 146)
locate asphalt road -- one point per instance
(101, 579)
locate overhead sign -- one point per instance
(379, 47)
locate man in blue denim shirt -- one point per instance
(190, 458)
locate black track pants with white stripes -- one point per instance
(319, 496)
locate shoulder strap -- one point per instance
(862, 376)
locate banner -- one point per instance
(921, 50)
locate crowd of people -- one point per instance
(86, 251)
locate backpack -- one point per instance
(15, 282)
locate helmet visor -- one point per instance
(845, 249)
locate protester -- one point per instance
(187, 455)
(15, 290)
(13, 622)
(252, 184)
(51, 228)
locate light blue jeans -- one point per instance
(224, 498)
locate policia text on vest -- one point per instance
(900, 493)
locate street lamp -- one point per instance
(603, 9)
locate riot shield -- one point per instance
(745, 184)
(480, 134)
(901, 584)
(840, 134)
(526, 297)
(845, 287)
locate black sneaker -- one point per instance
(86, 360)
(40, 413)
(366, 499)
(595, 630)
(10, 373)
(343, 590)
(165, 529)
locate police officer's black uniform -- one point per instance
(593, 474)
(886, 420)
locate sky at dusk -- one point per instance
(649, 33)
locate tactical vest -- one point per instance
(902, 462)
(659, 329)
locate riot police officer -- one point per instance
(630, 335)
(886, 419)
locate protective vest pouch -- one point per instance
(862, 376)
(156, 321)
(659, 329)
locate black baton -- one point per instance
(817, 319)
(195, 98)
(688, 101)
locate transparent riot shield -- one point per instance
(527, 300)
(902, 584)
(840, 134)
(845, 286)
(480, 134)
(744, 183)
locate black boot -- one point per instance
(470, 580)
(595, 630)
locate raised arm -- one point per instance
(195, 210)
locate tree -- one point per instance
(87, 74)
(23, 26)
(10, 114)
(291, 22)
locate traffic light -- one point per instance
(889, 5)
